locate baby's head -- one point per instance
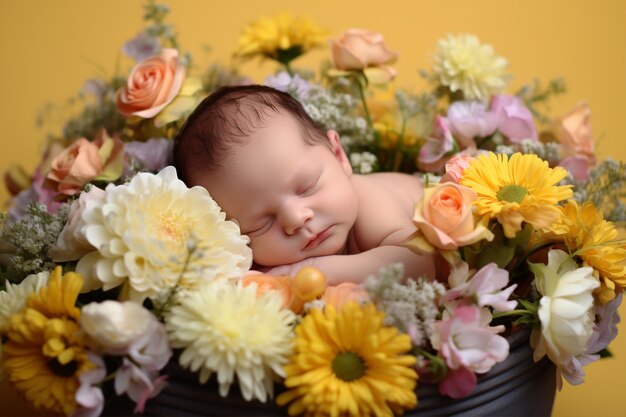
(273, 169)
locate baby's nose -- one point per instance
(294, 217)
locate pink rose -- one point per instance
(573, 131)
(470, 119)
(84, 161)
(456, 166)
(358, 49)
(515, 121)
(151, 85)
(445, 218)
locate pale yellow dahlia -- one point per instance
(282, 38)
(586, 234)
(154, 233)
(463, 64)
(516, 190)
(45, 351)
(349, 364)
(224, 328)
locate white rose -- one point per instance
(114, 325)
(565, 310)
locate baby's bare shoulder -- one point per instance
(386, 204)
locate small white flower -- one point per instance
(113, 325)
(225, 328)
(565, 310)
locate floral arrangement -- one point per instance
(110, 263)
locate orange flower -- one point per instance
(266, 282)
(338, 295)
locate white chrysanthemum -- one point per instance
(463, 64)
(13, 299)
(154, 233)
(565, 310)
(225, 328)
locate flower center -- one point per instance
(172, 226)
(348, 366)
(512, 193)
(65, 370)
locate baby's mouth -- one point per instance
(318, 238)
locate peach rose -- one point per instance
(338, 295)
(445, 219)
(358, 49)
(84, 161)
(266, 282)
(151, 85)
(573, 131)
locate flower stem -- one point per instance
(288, 68)
(512, 313)
(368, 117)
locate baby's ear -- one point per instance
(338, 152)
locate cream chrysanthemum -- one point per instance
(463, 64)
(13, 299)
(224, 328)
(282, 38)
(349, 364)
(516, 190)
(154, 233)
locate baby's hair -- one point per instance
(228, 117)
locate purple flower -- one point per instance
(458, 383)
(578, 166)
(432, 156)
(470, 119)
(139, 383)
(515, 121)
(142, 46)
(293, 85)
(89, 396)
(465, 339)
(97, 88)
(605, 330)
(485, 286)
(153, 155)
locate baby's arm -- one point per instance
(356, 268)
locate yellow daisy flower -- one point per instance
(349, 364)
(282, 38)
(584, 231)
(45, 353)
(516, 190)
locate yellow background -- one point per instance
(49, 48)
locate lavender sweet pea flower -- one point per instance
(152, 155)
(139, 383)
(470, 119)
(578, 166)
(485, 286)
(294, 85)
(515, 121)
(89, 396)
(432, 155)
(142, 46)
(606, 329)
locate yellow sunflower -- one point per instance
(584, 231)
(45, 353)
(516, 190)
(349, 364)
(282, 38)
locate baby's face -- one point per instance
(293, 200)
